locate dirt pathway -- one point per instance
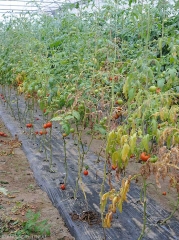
(24, 195)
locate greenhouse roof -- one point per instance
(23, 6)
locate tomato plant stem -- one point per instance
(45, 150)
(103, 182)
(65, 160)
(172, 213)
(80, 162)
(144, 209)
(17, 105)
(9, 101)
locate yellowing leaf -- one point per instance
(173, 114)
(103, 205)
(105, 196)
(125, 88)
(119, 205)
(139, 114)
(163, 113)
(125, 151)
(107, 220)
(119, 135)
(132, 142)
(111, 137)
(115, 157)
(158, 135)
(145, 142)
(124, 139)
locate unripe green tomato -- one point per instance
(72, 130)
(81, 106)
(130, 119)
(119, 101)
(101, 122)
(152, 88)
(73, 89)
(153, 159)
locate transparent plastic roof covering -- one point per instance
(16, 7)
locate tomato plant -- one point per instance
(123, 92)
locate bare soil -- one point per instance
(23, 194)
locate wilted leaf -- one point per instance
(4, 191)
(145, 142)
(76, 114)
(125, 151)
(115, 157)
(132, 142)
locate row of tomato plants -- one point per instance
(87, 71)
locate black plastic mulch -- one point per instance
(125, 226)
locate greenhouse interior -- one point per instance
(89, 119)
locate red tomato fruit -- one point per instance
(114, 167)
(29, 125)
(62, 186)
(144, 157)
(45, 126)
(49, 124)
(85, 172)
